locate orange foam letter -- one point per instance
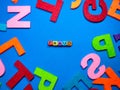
(108, 82)
(113, 8)
(14, 42)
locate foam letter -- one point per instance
(74, 83)
(117, 38)
(45, 76)
(54, 9)
(94, 66)
(108, 82)
(15, 21)
(2, 27)
(28, 87)
(12, 43)
(75, 4)
(14, 1)
(91, 17)
(113, 8)
(23, 72)
(108, 45)
(0, 84)
(2, 68)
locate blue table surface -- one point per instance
(64, 62)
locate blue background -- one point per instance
(62, 62)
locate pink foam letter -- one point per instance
(15, 21)
(2, 68)
(94, 66)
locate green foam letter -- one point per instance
(108, 45)
(45, 76)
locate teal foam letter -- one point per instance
(75, 82)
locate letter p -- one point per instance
(107, 45)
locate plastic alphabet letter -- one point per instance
(75, 82)
(59, 43)
(108, 45)
(113, 8)
(108, 82)
(55, 43)
(50, 43)
(75, 4)
(64, 43)
(12, 43)
(45, 76)
(91, 17)
(2, 68)
(69, 43)
(15, 21)
(94, 66)
(22, 72)
(54, 9)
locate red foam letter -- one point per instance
(91, 17)
(23, 72)
(54, 9)
(28, 87)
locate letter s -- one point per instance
(94, 66)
